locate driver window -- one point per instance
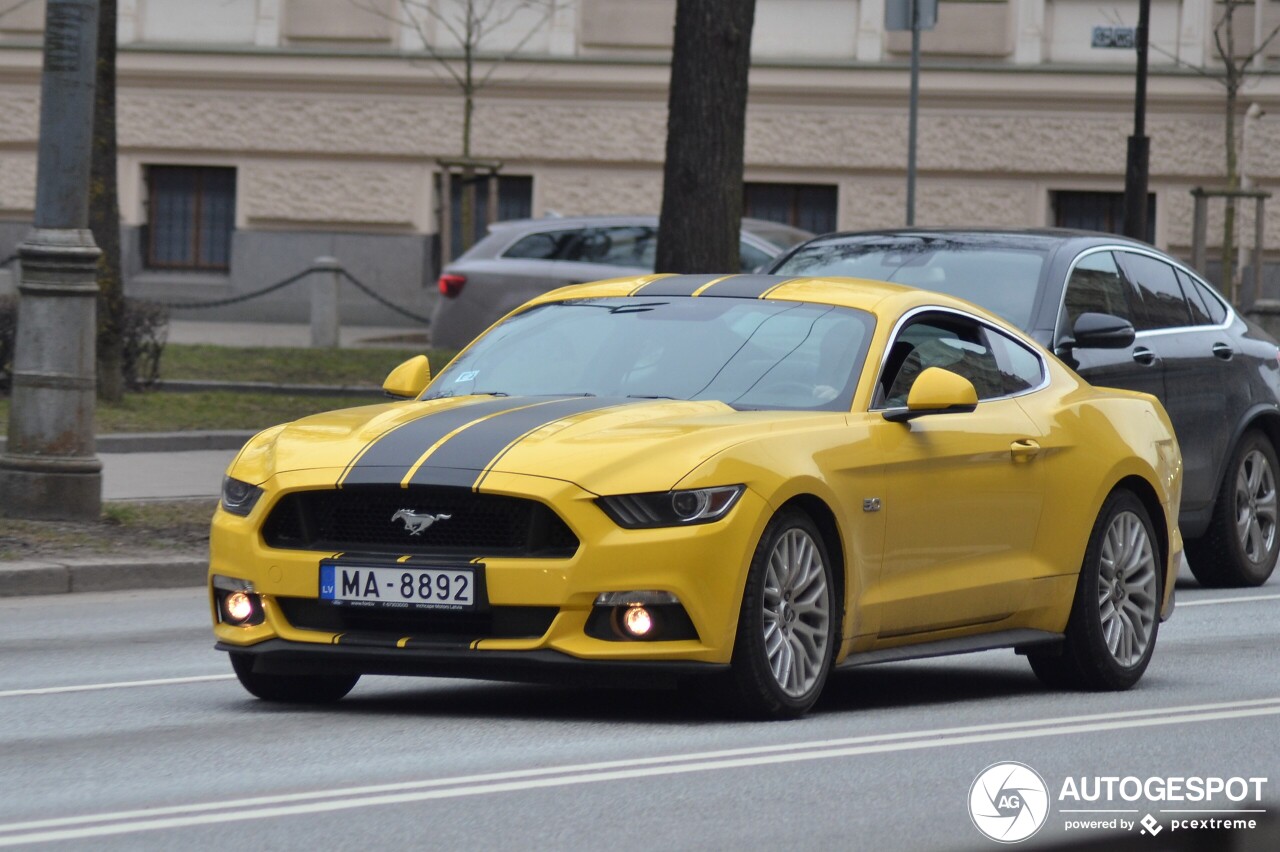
(1096, 286)
(952, 343)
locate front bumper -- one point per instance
(704, 566)
(280, 656)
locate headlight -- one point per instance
(238, 497)
(671, 508)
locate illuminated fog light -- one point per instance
(238, 607)
(637, 621)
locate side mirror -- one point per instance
(1101, 331)
(409, 379)
(936, 391)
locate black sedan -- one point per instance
(1122, 315)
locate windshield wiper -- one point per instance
(649, 396)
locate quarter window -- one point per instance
(1020, 368)
(1199, 294)
(190, 217)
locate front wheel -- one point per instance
(787, 628)
(1115, 614)
(1241, 544)
(291, 689)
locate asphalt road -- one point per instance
(121, 728)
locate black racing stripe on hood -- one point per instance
(474, 449)
(675, 285)
(746, 286)
(402, 446)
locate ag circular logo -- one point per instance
(1008, 802)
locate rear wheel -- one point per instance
(1241, 544)
(1115, 614)
(788, 624)
(291, 689)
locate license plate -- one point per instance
(399, 585)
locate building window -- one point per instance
(801, 205)
(191, 212)
(1098, 211)
(515, 201)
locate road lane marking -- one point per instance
(124, 684)
(322, 801)
(1242, 599)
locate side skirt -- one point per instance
(1021, 641)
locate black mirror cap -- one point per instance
(1101, 331)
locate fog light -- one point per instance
(238, 607)
(637, 621)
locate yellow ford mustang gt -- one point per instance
(738, 482)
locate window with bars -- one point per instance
(515, 201)
(1097, 211)
(810, 206)
(191, 213)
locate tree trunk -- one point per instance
(706, 128)
(1233, 72)
(104, 213)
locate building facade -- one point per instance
(256, 135)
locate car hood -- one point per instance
(605, 446)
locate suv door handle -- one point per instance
(1223, 351)
(1143, 355)
(1024, 450)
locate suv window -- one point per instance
(1096, 286)
(624, 246)
(544, 245)
(1162, 302)
(1202, 300)
(952, 343)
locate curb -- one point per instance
(55, 576)
(190, 385)
(169, 442)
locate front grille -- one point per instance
(360, 518)
(499, 622)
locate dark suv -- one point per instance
(1123, 315)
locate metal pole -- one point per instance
(911, 121)
(1199, 230)
(1138, 154)
(49, 468)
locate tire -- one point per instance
(787, 627)
(291, 689)
(1242, 542)
(1115, 614)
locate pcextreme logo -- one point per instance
(1008, 802)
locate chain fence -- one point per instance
(280, 285)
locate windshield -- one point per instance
(1004, 279)
(749, 353)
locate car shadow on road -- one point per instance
(869, 688)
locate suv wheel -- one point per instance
(1242, 542)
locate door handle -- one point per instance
(1143, 355)
(1024, 450)
(1223, 351)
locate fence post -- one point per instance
(324, 303)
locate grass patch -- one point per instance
(180, 412)
(169, 525)
(288, 365)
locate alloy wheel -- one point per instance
(1127, 589)
(1256, 506)
(797, 613)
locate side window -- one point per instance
(1163, 305)
(624, 246)
(1020, 368)
(1198, 292)
(1096, 286)
(952, 343)
(546, 245)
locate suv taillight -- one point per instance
(451, 285)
